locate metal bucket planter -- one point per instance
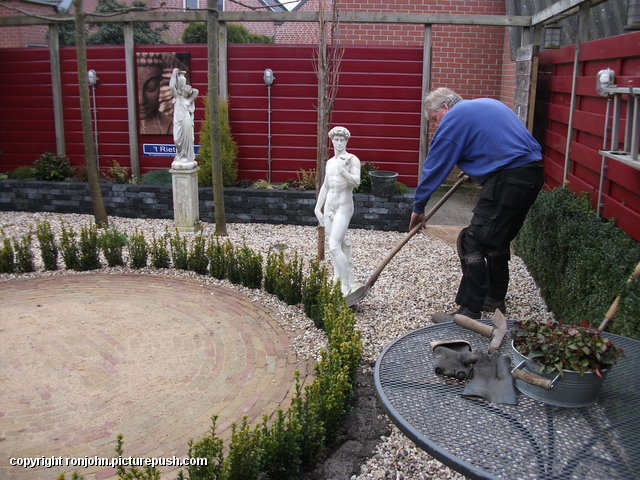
(383, 183)
(569, 390)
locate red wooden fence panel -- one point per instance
(378, 101)
(620, 196)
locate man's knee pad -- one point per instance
(496, 254)
(465, 254)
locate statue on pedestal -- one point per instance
(334, 207)
(183, 107)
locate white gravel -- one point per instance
(420, 280)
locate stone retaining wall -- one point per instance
(242, 205)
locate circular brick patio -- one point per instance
(86, 357)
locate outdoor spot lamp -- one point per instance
(92, 77)
(268, 77)
(633, 15)
(552, 35)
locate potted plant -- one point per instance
(574, 359)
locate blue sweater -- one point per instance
(480, 136)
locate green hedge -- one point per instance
(580, 262)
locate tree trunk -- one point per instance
(322, 130)
(99, 210)
(214, 123)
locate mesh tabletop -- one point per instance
(530, 440)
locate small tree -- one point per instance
(196, 32)
(228, 149)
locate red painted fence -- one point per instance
(621, 189)
(379, 101)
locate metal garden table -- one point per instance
(530, 440)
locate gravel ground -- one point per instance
(420, 280)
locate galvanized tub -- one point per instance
(569, 390)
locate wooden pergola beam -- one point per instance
(263, 16)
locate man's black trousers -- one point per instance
(484, 246)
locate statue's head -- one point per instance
(339, 131)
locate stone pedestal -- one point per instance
(186, 207)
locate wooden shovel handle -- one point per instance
(532, 379)
(473, 325)
(614, 306)
(376, 273)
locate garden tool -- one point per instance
(357, 295)
(614, 306)
(496, 333)
(453, 358)
(491, 379)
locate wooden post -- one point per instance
(99, 210)
(214, 117)
(130, 66)
(56, 88)
(426, 86)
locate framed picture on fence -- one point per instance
(155, 105)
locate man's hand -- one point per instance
(417, 218)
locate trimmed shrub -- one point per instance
(89, 248)
(211, 448)
(112, 242)
(249, 267)
(284, 279)
(69, 247)
(580, 261)
(198, 260)
(158, 251)
(311, 299)
(7, 257)
(138, 252)
(179, 251)
(24, 255)
(245, 451)
(48, 246)
(217, 258)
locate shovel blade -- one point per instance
(357, 295)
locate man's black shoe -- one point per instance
(490, 305)
(440, 317)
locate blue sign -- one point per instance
(162, 149)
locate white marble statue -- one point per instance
(334, 207)
(183, 107)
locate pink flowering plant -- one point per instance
(558, 347)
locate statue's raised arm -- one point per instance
(183, 107)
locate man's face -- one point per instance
(339, 142)
(436, 116)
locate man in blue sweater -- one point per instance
(490, 144)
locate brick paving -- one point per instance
(86, 357)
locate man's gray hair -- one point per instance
(439, 97)
(343, 132)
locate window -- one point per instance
(282, 5)
(194, 4)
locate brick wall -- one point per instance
(23, 36)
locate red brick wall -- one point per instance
(23, 36)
